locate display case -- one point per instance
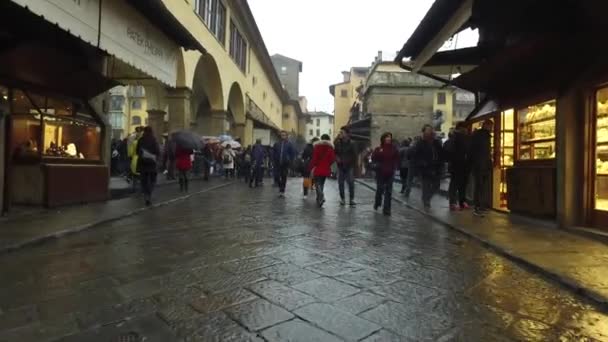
(601, 151)
(52, 128)
(536, 132)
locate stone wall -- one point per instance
(402, 111)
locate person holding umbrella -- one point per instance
(183, 164)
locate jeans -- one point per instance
(346, 175)
(182, 175)
(409, 182)
(319, 186)
(281, 173)
(482, 183)
(430, 185)
(148, 181)
(403, 173)
(458, 185)
(384, 188)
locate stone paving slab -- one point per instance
(29, 230)
(574, 261)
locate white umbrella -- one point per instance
(232, 143)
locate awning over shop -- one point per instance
(121, 30)
(487, 107)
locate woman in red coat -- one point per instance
(386, 158)
(183, 164)
(323, 156)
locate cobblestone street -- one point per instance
(240, 264)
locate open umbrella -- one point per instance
(224, 137)
(210, 140)
(187, 140)
(232, 143)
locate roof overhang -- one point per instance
(159, 15)
(442, 21)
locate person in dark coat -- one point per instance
(284, 153)
(386, 158)
(208, 158)
(404, 163)
(323, 157)
(346, 158)
(306, 159)
(480, 157)
(428, 156)
(258, 153)
(456, 151)
(147, 151)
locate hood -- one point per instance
(324, 142)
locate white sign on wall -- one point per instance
(125, 33)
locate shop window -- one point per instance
(601, 151)
(67, 138)
(536, 132)
(47, 127)
(136, 120)
(441, 98)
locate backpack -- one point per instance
(227, 158)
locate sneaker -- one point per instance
(386, 212)
(453, 207)
(464, 206)
(352, 203)
(148, 203)
(281, 195)
(376, 206)
(342, 202)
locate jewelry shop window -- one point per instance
(536, 131)
(53, 128)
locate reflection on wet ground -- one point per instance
(238, 264)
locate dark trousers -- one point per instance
(170, 169)
(430, 185)
(482, 187)
(206, 169)
(458, 185)
(403, 174)
(281, 173)
(229, 173)
(148, 181)
(182, 175)
(346, 175)
(258, 175)
(319, 187)
(384, 188)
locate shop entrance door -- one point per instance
(506, 155)
(600, 160)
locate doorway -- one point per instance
(599, 159)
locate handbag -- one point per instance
(307, 182)
(147, 155)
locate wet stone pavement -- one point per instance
(236, 264)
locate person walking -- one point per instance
(207, 155)
(428, 157)
(323, 156)
(147, 152)
(480, 156)
(404, 163)
(346, 158)
(307, 183)
(258, 154)
(228, 156)
(456, 150)
(183, 164)
(284, 154)
(386, 158)
(412, 172)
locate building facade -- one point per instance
(319, 123)
(289, 71)
(346, 94)
(127, 110)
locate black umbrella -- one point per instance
(187, 140)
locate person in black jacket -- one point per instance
(480, 156)
(428, 156)
(457, 150)
(306, 159)
(147, 151)
(346, 158)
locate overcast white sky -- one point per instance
(330, 36)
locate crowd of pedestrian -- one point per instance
(422, 158)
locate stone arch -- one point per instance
(207, 95)
(236, 103)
